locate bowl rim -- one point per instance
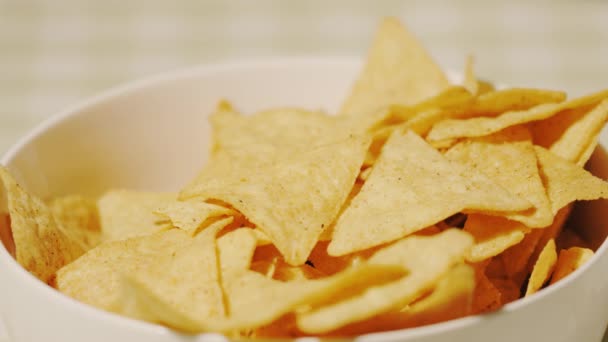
(202, 70)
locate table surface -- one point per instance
(54, 53)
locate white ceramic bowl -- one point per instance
(153, 134)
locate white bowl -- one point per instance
(153, 134)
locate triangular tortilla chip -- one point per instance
(515, 258)
(480, 126)
(42, 246)
(253, 300)
(474, 85)
(570, 260)
(470, 80)
(190, 215)
(493, 235)
(447, 249)
(567, 182)
(543, 268)
(411, 187)
(450, 299)
(79, 218)
(486, 296)
(125, 213)
(508, 158)
(571, 133)
(293, 200)
(398, 71)
(94, 278)
(187, 279)
(236, 250)
(281, 127)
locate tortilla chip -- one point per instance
(6, 234)
(422, 123)
(398, 71)
(454, 96)
(326, 263)
(189, 279)
(79, 218)
(288, 273)
(550, 233)
(280, 127)
(95, 277)
(508, 158)
(190, 215)
(447, 248)
(480, 126)
(450, 299)
(570, 260)
(493, 235)
(515, 258)
(566, 182)
(236, 249)
(569, 133)
(293, 200)
(470, 80)
(508, 288)
(543, 268)
(125, 214)
(254, 300)
(486, 296)
(412, 187)
(42, 246)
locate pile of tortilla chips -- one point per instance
(421, 201)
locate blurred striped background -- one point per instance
(56, 52)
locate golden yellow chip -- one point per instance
(79, 218)
(6, 234)
(448, 248)
(412, 187)
(41, 245)
(551, 232)
(452, 97)
(543, 268)
(188, 279)
(278, 128)
(190, 215)
(254, 300)
(125, 214)
(570, 133)
(94, 278)
(570, 260)
(515, 258)
(566, 182)
(294, 199)
(480, 126)
(235, 249)
(470, 80)
(508, 158)
(450, 299)
(398, 71)
(474, 85)
(486, 296)
(492, 235)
